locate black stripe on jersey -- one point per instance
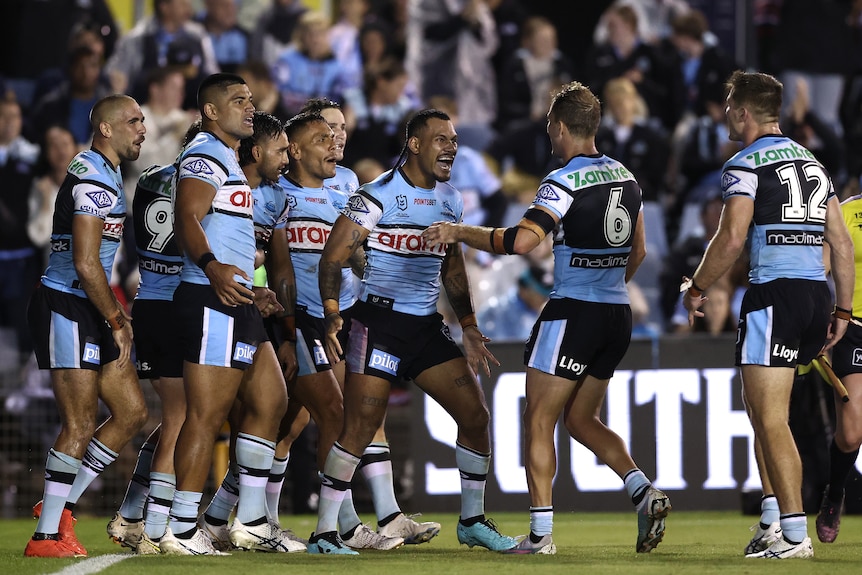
(230, 213)
(308, 219)
(559, 186)
(373, 200)
(403, 255)
(98, 184)
(208, 157)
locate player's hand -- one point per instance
(229, 291)
(287, 359)
(837, 329)
(441, 233)
(334, 323)
(478, 356)
(123, 338)
(692, 302)
(266, 302)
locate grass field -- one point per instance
(701, 543)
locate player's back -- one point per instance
(790, 189)
(159, 258)
(598, 201)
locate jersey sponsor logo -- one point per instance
(357, 204)
(113, 229)
(788, 354)
(319, 354)
(142, 365)
(100, 198)
(383, 361)
(244, 352)
(598, 261)
(794, 238)
(728, 180)
(77, 167)
(315, 200)
(401, 202)
(857, 356)
(61, 245)
(159, 267)
(789, 151)
(270, 207)
(423, 201)
(242, 199)
(592, 177)
(406, 242)
(547, 193)
(569, 364)
(92, 353)
(301, 235)
(199, 167)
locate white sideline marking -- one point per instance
(94, 564)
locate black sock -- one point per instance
(388, 519)
(840, 464)
(350, 532)
(535, 538)
(472, 520)
(213, 521)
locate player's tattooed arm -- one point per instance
(455, 281)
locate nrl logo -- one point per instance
(402, 202)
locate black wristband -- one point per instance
(205, 259)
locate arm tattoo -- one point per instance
(456, 283)
(357, 262)
(355, 241)
(329, 280)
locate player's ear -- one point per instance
(210, 112)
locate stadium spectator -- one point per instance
(627, 54)
(167, 122)
(275, 29)
(344, 38)
(534, 70)
(70, 102)
(307, 68)
(627, 136)
(230, 41)
(58, 149)
(19, 258)
(264, 91)
(168, 38)
(375, 113)
(449, 49)
(511, 316)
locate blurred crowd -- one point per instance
(656, 65)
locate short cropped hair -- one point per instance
(215, 83)
(578, 108)
(760, 93)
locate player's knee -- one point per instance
(476, 422)
(849, 440)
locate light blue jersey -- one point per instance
(229, 225)
(790, 189)
(597, 200)
(311, 213)
(402, 271)
(93, 187)
(159, 259)
(344, 181)
(270, 212)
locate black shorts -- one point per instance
(158, 347)
(574, 338)
(69, 332)
(310, 335)
(390, 344)
(213, 333)
(847, 353)
(783, 323)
